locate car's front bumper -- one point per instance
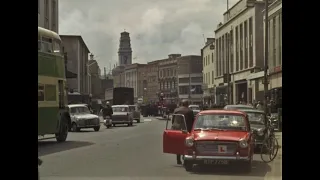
(235, 158)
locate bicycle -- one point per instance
(270, 146)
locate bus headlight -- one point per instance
(189, 141)
(243, 143)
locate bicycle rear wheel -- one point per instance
(269, 149)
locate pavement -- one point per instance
(132, 153)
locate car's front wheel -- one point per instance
(188, 166)
(97, 128)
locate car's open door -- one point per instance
(175, 134)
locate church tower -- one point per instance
(125, 51)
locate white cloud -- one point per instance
(157, 27)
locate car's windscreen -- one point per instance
(80, 110)
(221, 122)
(240, 107)
(256, 117)
(194, 108)
(120, 109)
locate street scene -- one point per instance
(132, 153)
(160, 89)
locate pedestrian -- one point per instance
(189, 119)
(107, 110)
(260, 106)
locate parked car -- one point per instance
(136, 115)
(218, 137)
(122, 115)
(195, 108)
(82, 118)
(258, 125)
(238, 106)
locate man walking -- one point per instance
(189, 118)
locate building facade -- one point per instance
(77, 52)
(239, 52)
(152, 76)
(96, 81)
(275, 51)
(132, 79)
(208, 62)
(48, 14)
(189, 78)
(168, 83)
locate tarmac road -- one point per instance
(131, 153)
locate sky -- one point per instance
(157, 27)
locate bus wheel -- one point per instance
(62, 135)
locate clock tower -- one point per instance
(125, 51)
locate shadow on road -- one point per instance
(258, 169)
(124, 125)
(50, 147)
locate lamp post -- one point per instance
(266, 51)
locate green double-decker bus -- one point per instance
(53, 117)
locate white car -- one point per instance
(82, 118)
(194, 108)
(122, 115)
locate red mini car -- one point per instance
(218, 137)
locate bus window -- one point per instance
(57, 47)
(50, 92)
(46, 44)
(40, 92)
(39, 42)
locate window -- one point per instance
(246, 45)
(237, 48)
(212, 77)
(46, 14)
(57, 47)
(274, 37)
(212, 57)
(50, 92)
(241, 47)
(46, 44)
(217, 57)
(231, 60)
(53, 18)
(40, 92)
(250, 43)
(223, 55)
(280, 38)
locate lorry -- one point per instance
(123, 95)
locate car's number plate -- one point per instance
(217, 162)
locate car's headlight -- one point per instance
(243, 143)
(260, 132)
(189, 141)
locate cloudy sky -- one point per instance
(157, 27)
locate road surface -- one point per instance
(131, 153)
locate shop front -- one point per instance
(221, 95)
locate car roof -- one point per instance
(251, 110)
(231, 112)
(77, 105)
(120, 106)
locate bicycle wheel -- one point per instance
(269, 149)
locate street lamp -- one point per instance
(88, 71)
(265, 78)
